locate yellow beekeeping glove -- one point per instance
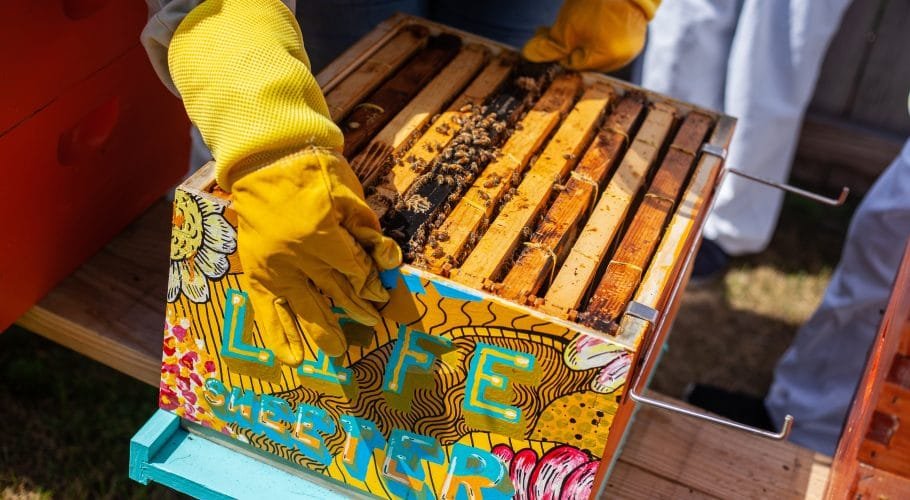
(600, 35)
(303, 225)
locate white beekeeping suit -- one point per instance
(756, 60)
(816, 378)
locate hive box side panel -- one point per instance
(467, 375)
(455, 392)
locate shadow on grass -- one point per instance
(732, 332)
(66, 422)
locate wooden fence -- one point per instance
(858, 119)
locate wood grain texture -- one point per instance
(518, 214)
(717, 461)
(112, 308)
(479, 201)
(631, 481)
(865, 150)
(579, 270)
(401, 176)
(875, 393)
(626, 268)
(881, 96)
(559, 227)
(376, 110)
(344, 95)
(440, 187)
(402, 130)
(681, 234)
(876, 484)
(843, 66)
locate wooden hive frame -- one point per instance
(608, 215)
(585, 154)
(872, 457)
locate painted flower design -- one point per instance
(184, 368)
(564, 472)
(586, 352)
(201, 240)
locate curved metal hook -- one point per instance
(778, 436)
(834, 202)
(721, 153)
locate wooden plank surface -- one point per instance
(481, 198)
(718, 461)
(385, 102)
(836, 141)
(579, 270)
(370, 74)
(875, 484)
(876, 394)
(843, 66)
(402, 176)
(558, 229)
(401, 131)
(112, 310)
(629, 262)
(881, 97)
(517, 215)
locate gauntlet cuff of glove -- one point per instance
(244, 76)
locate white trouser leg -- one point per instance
(688, 47)
(816, 378)
(771, 73)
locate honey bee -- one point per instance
(442, 236)
(568, 156)
(417, 241)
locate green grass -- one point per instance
(66, 423)
(731, 333)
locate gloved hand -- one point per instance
(303, 225)
(245, 80)
(600, 35)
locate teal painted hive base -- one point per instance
(164, 452)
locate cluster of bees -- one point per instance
(454, 169)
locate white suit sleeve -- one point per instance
(164, 17)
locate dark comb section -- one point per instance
(626, 269)
(384, 103)
(433, 195)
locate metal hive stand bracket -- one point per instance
(649, 314)
(721, 153)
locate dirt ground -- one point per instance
(66, 421)
(731, 332)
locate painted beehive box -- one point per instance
(534, 207)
